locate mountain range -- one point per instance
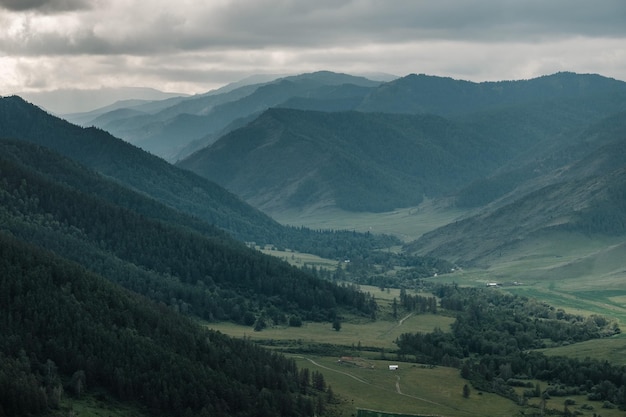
(479, 146)
(176, 127)
(102, 282)
(109, 247)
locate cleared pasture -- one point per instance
(612, 349)
(406, 223)
(412, 389)
(300, 259)
(377, 334)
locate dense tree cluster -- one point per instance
(213, 277)
(174, 188)
(493, 338)
(64, 328)
(418, 303)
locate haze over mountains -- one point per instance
(491, 145)
(83, 212)
(322, 140)
(98, 270)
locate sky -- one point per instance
(193, 46)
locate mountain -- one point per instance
(450, 97)
(576, 189)
(147, 247)
(71, 238)
(67, 332)
(489, 134)
(174, 187)
(168, 131)
(134, 168)
(66, 101)
(357, 161)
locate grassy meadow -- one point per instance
(406, 223)
(375, 334)
(579, 274)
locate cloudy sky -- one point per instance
(192, 46)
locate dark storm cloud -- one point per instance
(245, 25)
(45, 5)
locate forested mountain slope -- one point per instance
(174, 187)
(358, 161)
(52, 202)
(491, 138)
(66, 331)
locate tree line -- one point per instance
(213, 277)
(66, 330)
(494, 336)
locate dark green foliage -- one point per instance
(466, 391)
(493, 338)
(417, 303)
(295, 321)
(59, 321)
(210, 275)
(173, 187)
(336, 324)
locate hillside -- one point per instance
(176, 188)
(67, 333)
(289, 159)
(168, 131)
(579, 188)
(358, 161)
(136, 242)
(525, 155)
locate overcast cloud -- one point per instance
(191, 46)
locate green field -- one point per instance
(412, 389)
(376, 334)
(406, 223)
(579, 274)
(299, 259)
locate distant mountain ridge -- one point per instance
(168, 130)
(378, 161)
(65, 101)
(450, 97)
(175, 128)
(358, 161)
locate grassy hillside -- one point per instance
(584, 194)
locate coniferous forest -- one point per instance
(65, 329)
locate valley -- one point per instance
(573, 272)
(309, 232)
(407, 223)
